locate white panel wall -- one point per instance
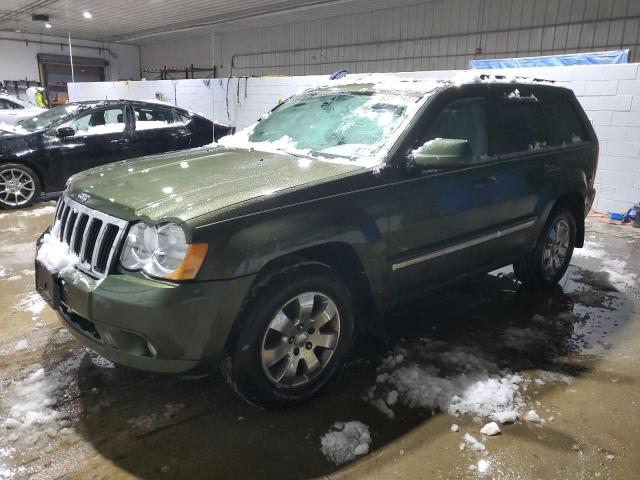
(18, 55)
(609, 94)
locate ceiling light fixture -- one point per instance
(48, 25)
(86, 14)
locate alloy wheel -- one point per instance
(556, 247)
(17, 187)
(300, 340)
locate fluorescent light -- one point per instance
(47, 25)
(87, 14)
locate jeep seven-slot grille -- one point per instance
(92, 235)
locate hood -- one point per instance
(183, 185)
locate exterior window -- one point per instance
(183, 119)
(565, 127)
(463, 120)
(520, 126)
(110, 120)
(148, 118)
(9, 105)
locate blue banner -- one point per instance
(593, 58)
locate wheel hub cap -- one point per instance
(17, 187)
(300, 340)
(556, 247)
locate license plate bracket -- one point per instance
(48, 285)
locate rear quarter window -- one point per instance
(565, 125)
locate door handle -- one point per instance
(120, 142)
(485, 182)
(550, 164)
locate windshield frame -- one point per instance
(379, 156)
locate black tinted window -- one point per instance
(464, 120)
(520, 126)
(565, 126)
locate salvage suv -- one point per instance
(266, 254)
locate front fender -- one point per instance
(243, 246)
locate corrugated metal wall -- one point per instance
(438, 34)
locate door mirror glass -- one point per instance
(64, 132)
(442, 153)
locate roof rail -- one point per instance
(486, 76)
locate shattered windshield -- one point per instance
(340, 124)
(48, 117)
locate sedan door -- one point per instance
(156, 130)
(100, 136)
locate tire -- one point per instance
(19, 186)
(549, 260)
(269, 360)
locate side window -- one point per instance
(520, 126)
(463, 120)
(148, 118)
(565, 126)
(182, 118)
(9, 105)
(98, 122)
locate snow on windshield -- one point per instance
(334, 126)
(48, 117)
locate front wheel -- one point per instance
(19, 186)
(293, 335)
(550, 259)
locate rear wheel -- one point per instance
(294, 334)
(19, 186)
(549, 261)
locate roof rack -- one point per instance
(486, 76)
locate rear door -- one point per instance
(156, 130)
(519, 151)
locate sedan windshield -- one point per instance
(48, 118)
(340, 124)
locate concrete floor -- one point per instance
(120, 423)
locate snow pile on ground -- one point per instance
(435, 376)
(618, 274)
(32, 412)
(345, 441)
(38, 212)
(589, 250)
(55, 254)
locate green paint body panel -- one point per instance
(253, 207)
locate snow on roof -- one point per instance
(408, 84)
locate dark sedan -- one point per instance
(40, 153)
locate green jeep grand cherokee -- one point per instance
(265, 255)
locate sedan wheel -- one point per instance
(18, 186)
(300, 340)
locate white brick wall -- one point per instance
(610, 94)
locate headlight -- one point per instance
(162, 252)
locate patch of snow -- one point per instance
(509, 416)
(490, 429)
(473, 443)
(392, 397)
(589, 250)
(618, 275)
(55, 255)
(380, 404)
(455, 427)
(533, 417)
(345, 441)
(32, 303)
(21, 345)
(38, 212)
(483, 465)
(435, 376)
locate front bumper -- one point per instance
(150, 324)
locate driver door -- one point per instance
(440, 216)
(101, 135)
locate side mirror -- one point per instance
(64, 132)
(442, 153)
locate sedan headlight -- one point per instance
(162, 251)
